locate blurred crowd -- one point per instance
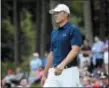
(23, 79)
(93, 65)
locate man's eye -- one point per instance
(57, 13)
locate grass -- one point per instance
(35, 85)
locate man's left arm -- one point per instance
(71, 55)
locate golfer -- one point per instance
(61, 69)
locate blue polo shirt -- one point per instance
(61, 41)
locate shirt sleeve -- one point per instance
(76, 37)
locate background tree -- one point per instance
(7, 40)
(88, 21)
(27, 39)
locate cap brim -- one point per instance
(103, 77)
(52, 11)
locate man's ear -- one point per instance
(67, 15)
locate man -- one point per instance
(105, 80)
(86, 82)
(6, 82)
(97, 52)
(18, 76)
(61, 69)
(35, 64)
(85, 54)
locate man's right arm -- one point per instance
(49, 63)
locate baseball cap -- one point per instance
(36, 54)
(60, 7)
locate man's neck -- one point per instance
(63, 23)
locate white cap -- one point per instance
(36, 54)
(60, 7)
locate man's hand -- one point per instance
(43, 80)
(59, 69)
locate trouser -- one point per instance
(68, 78)
(99, 63)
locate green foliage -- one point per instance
(8, 64)
(27, 38)
(77, 15)
(27, 41)
(5, 66)
(77, 6)
(8, 29)
(75, 20)
(25, 64)
(28, 35)
(7, 39)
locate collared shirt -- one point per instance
(61, 41)
(35, 64)
(96, 50)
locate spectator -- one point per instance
(97, 52)
(96, 73)
(95, 83)
(105, 80)
(106, 55)
(86, 82)
(39, 74)
(35, 64)
(95, 79)
(18, 77)
(44, 60)
(85, 52)
(6, 82)
(84, 72)
(24, 83)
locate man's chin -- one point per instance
(58, 22)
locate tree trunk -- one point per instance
(43, 28)
(16, 44)
(38, 24)
(53, 3)
(102, 19)
(88, 21)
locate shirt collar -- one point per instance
(64, 26)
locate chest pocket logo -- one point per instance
(64, 35)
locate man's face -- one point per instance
(86, 42)
(96, 39)
(104, 81)
(60, 16)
